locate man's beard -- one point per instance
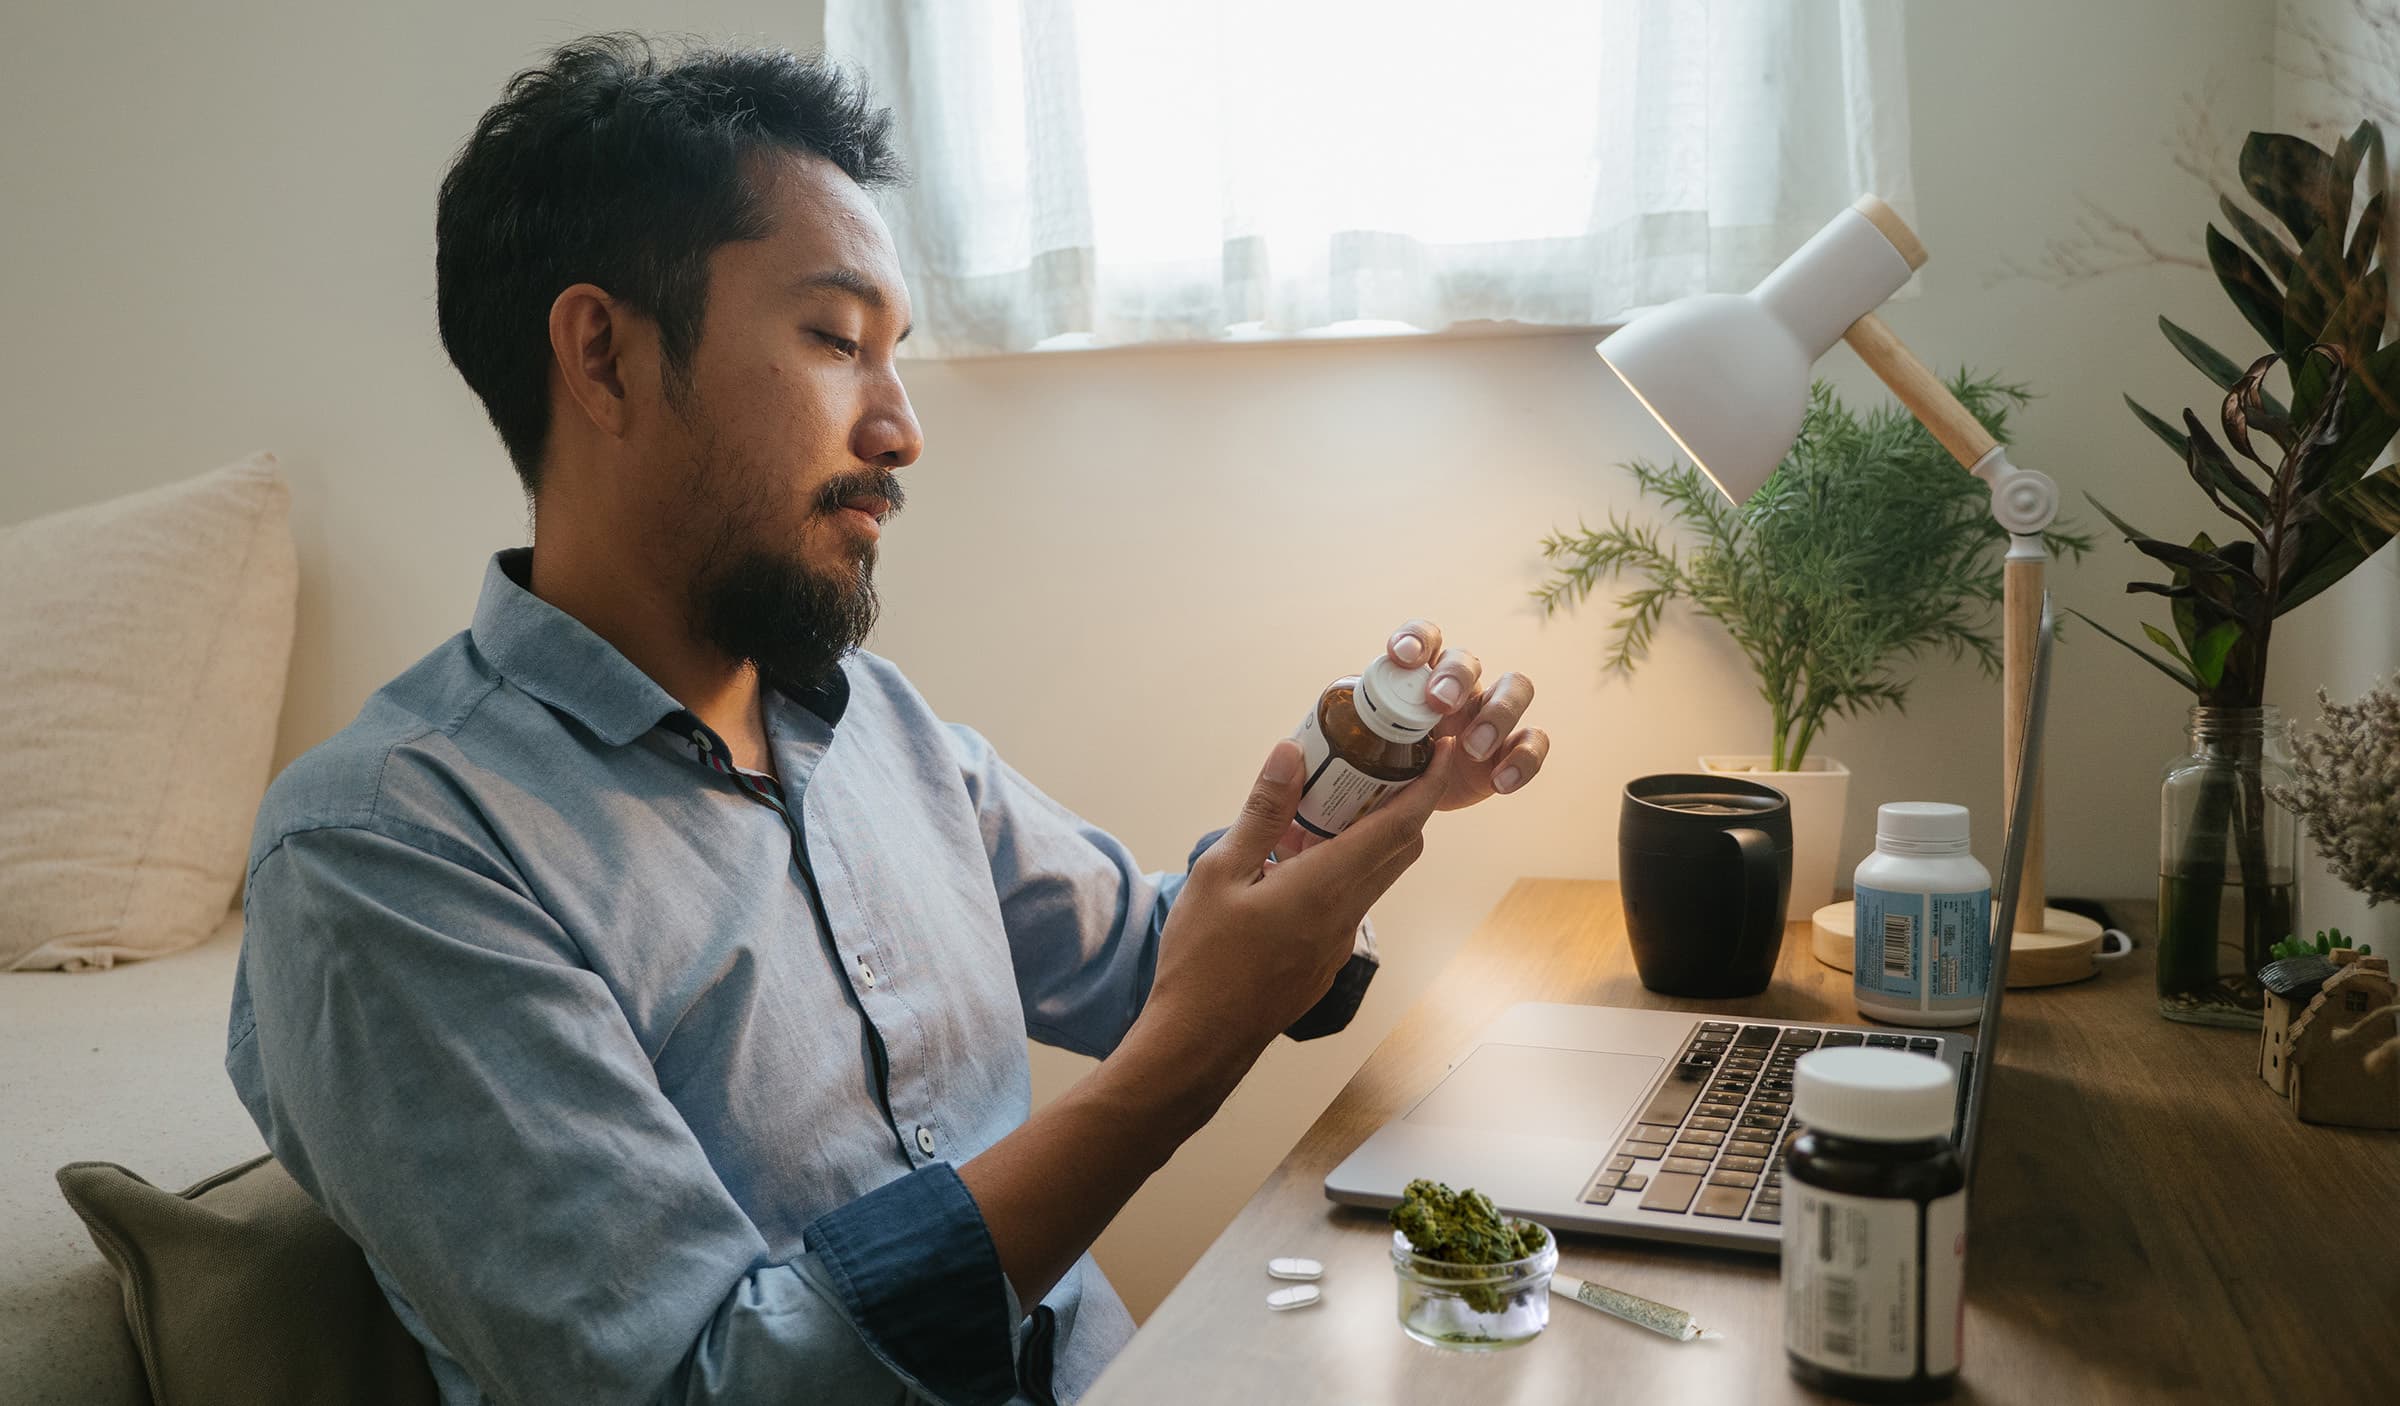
(770, 608)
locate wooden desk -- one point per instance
(2148, 1224)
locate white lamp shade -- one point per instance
(1727, 379)
(1727, 374)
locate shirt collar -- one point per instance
(556, 658)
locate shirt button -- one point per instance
(925, 1140)
(866, 974)
(700, 739)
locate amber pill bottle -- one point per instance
(1874, 1226)
(1365, 739)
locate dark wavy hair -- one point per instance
(622, 165)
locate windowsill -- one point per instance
(1364, 332)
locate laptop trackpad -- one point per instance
(1537, 1090)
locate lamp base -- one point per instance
(2064, 950)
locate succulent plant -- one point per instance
(2329, 940)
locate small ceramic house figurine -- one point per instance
(2290, 984)
(2326, 1049)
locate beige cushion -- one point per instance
(143, 645)
(239, 1290)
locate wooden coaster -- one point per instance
(2063, 951)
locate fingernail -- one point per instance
(1283, 764)
(1508, 780)
(1447, 691)
(1479, 742)
(1407, 648)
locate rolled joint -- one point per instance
(2025, 501)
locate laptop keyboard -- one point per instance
(1710, 1141)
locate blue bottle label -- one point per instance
(1917, 945)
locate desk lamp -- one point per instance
(1727, 376)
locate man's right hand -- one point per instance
(1247, 948)
(1250, 946)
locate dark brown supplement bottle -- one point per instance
(1365, 739)
(1874, 1227)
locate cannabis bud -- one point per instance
(1464, 1228)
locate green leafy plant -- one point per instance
(2327, 940)
(1868, 548)
(2307, 510)
(2311, 512)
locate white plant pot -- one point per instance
(1819, 791)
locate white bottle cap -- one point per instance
(1921, 827)
(1880, 1095)
(1392, 701)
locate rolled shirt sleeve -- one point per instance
(422, 1049)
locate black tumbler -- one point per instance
(1704, 866)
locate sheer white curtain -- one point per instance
(1101, 172)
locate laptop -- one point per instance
(1662, 1125)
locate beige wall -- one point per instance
(1131, 569)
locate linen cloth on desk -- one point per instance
(636, 1081)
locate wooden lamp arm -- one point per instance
(2024, 503)
(1920, 390)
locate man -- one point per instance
(643, 978)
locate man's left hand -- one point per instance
(1494, 753)
(1499, 754)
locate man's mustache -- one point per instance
(866, 483)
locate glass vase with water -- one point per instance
(2228, 866)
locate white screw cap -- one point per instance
(1876, 1094)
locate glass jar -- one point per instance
(1474, 1308)
(2228, 866)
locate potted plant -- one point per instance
(1866, 550)
(2308, 511)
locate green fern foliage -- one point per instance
(1866, 551)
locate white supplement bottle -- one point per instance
(1924, 919)
(1364, 739)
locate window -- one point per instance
(1104, 172)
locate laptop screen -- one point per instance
(2012, 872)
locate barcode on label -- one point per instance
(1899, 937)
(1838, 1328)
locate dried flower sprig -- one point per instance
(2348, 790)
(2349, 793)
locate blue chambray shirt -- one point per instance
(640, 1079)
